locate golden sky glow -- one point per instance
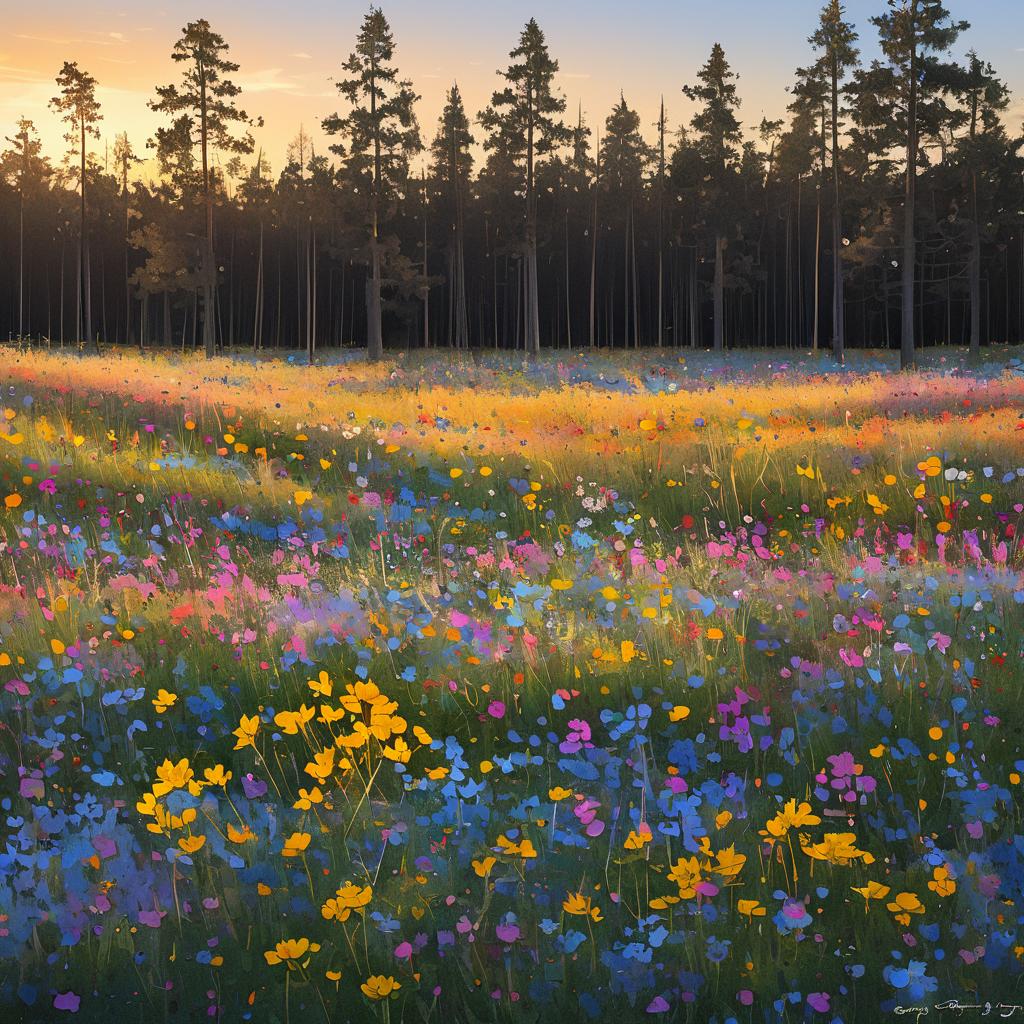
(289, 51)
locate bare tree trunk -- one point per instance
(719, 293)
(817, 242)
(838, 300)
(568, 286)
(907, 354)
(209, 262)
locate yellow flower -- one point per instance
(523, 849)
(581, 906)
(559, 793)
(217, 776)
(399, 751)
(290, 951)
(172, 776)
(789, 817)
(379, 987)
(248, 726)
(679, 713)
(728, 863)
(942, 883)
(871, 891)
(350, 897)
(290, 722)
(686, 873)
(147, 805)
(836, 848)
(360, 693)
(905, 904)
(638, 838)
(163, 700)
(240, 835)
(322, 765)
(322, 685)
(296, 845)
(308, 797)
(751, 908)
(483, 866)
(191, 844)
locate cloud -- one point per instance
(301, 56)
(267, 80)
(26, 76)
(111, 39)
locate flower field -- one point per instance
(594, 689)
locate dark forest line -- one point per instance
(886, 210)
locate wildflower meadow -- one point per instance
(589, 688)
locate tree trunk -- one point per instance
(909, 237)
(209, 262)
(838, 299)
(719, 294)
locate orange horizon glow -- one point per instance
(288, 55)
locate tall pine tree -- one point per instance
(381, 134)
(203, 112)
(80, 110)
(715, 138)
(524, 120)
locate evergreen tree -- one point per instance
(835, 39)
(80, 110)
(716, 134)
(381, 134)
(982, 153)
(451, 170)
(626, 160)
(124, 160)
(523, 121)
(203, 103)
(27, 170)
(900, 99)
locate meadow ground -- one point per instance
(663, 687)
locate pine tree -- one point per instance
(626, 160)
(900, 99)
(523, 120)
(381, 133)
(204, 102)
(982, 151)
(124, 160)
(835, 39)
(26, 169)
(80, 110)
(716, 133)
(452, 167)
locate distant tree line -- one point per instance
(886, 210)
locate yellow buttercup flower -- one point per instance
(871, 891)
(290, 722)
(296, 844)
(216, 776)
(248, 726)
(322, 685)
(836, 848)
(163, 700)
(379, 987)
(791, 816)
(172, 776)
(581, 906)
(290, 952)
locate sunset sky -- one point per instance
(289, 52)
